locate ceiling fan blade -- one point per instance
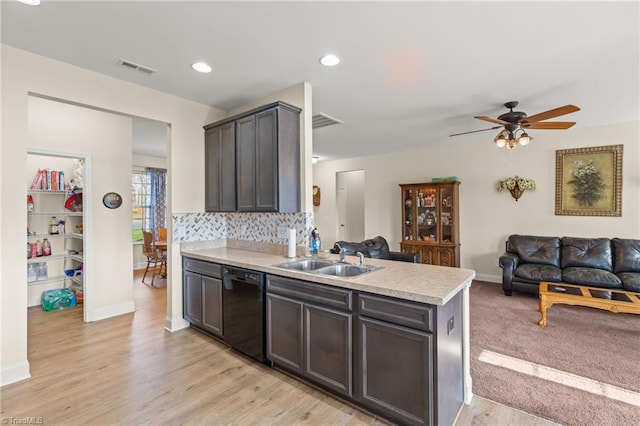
(556, 112)
(491, 119)
(476, 131)
(547, 125)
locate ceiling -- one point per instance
(411, 72)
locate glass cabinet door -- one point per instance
(408, 220)
(447, 214)
(427, 214)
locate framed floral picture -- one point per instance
(589, 181)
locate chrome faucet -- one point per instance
(343, 252)
(361, 257)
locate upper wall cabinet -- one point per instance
(252, 161)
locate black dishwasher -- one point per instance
(244, 311)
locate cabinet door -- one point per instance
(446, 257)
(246, 164)
(212, 305)
(328, 351)
(267, 161)
(192, 297)
(395, 374)
(284, 332)
(220, 169)
(428, 255)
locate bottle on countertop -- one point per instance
(315, 242)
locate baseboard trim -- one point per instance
(174, 324)
(489, 278)
(111, 311)
(14, 373)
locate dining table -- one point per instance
(162, 246)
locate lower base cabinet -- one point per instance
(399, 359)
(307, 338)
(284, 332)
(328, 352)
(202, 295)
(395, 372)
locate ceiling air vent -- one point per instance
(324, 120)
(137, 67)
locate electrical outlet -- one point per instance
(450, 326)
(281, 232)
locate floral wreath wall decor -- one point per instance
(589, 181)
(516, 186)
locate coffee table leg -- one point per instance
(543, 311)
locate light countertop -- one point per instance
(435, 285)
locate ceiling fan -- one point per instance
(518, 121)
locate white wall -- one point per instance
(486, 216)
(23, 73)
(69, 129)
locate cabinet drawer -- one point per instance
(201, 267)
(311, 292)
(409, 314)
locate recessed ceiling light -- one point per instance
(330, 60)
(30, 2)
(201, 67)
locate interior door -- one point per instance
(341, 203)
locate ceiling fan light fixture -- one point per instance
(524, 139)
(501, 139)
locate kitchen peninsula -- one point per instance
(394, 340)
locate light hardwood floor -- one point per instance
(129, 370)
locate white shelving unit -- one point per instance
(66, 248)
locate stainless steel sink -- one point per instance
(345, 270)
(306, 264)
(327, 267)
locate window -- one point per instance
(149, 201)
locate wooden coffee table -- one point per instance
(571, 294)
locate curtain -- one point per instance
(157, 217)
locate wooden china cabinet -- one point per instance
(430, 222)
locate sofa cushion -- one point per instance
(591, 277)
(630, 281)
(626, 255)
(532, 249)
(378, 247)
(537, 272)
(587, 253)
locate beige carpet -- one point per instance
(586, 342)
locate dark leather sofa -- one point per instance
(375, 248)
(596, 262)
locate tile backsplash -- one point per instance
(262, 227)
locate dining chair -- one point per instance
(156, 261)
(162, 234)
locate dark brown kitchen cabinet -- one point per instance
(202, 298)
(266, 162)
(246, 163)
(409, 359)
(220, 180)
(328, 350)
(285, 332)
(396, 374)
(309, 328)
